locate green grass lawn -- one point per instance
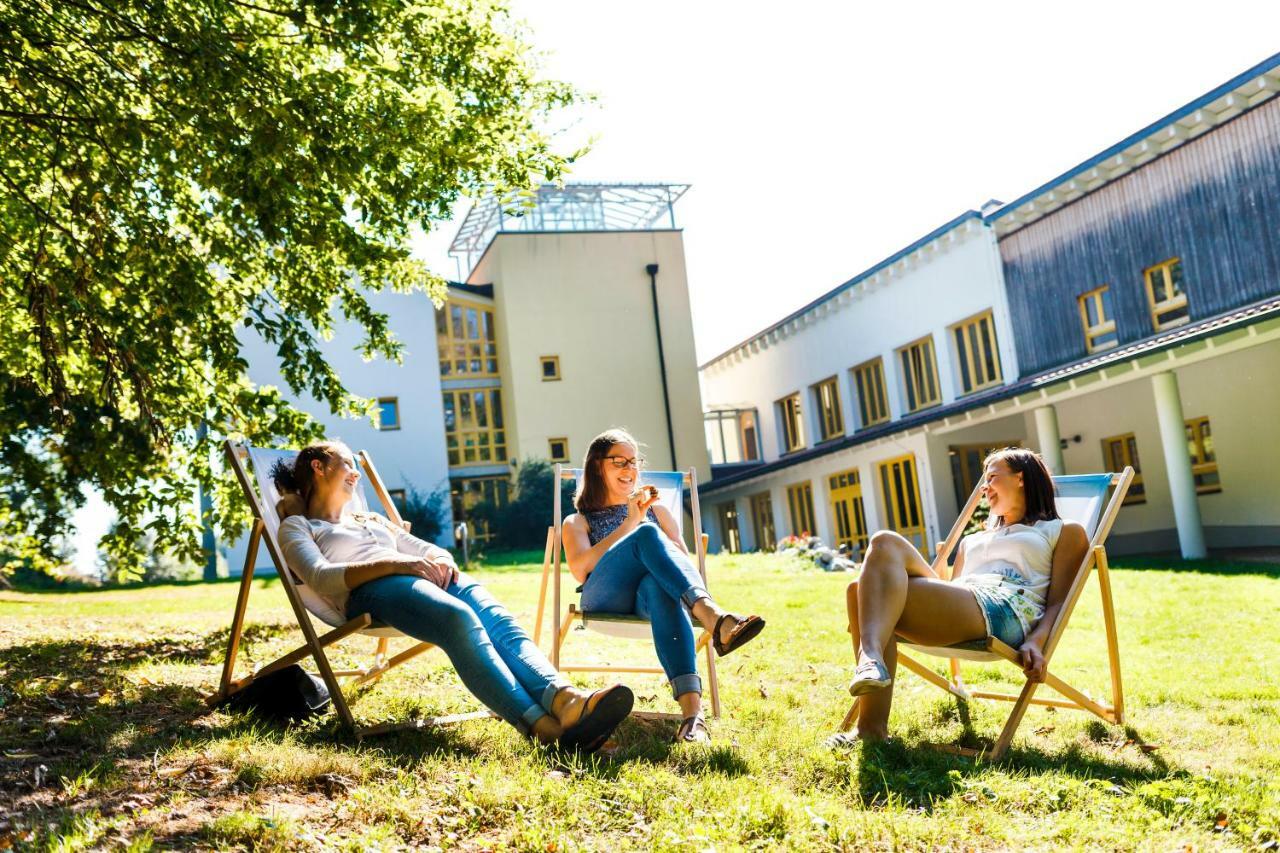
(106, 741)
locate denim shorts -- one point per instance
(998, 613)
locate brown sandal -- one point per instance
(693, 730)
(745, 631)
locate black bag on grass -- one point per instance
(286, 695)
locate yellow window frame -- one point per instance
(830, 418)
(1170, 302)
(848, 510)
(1204, 460)
(1105, 325)
(484, 443)
(800, 505)
(762, 526)
(868, 381)
(543, 361)
(977, 352)
(1119, 451)
(792, 422)
(457, 348)
(903, 503)
(551, 451)
(920, 374)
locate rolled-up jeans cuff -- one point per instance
(691, 595)
(549, 693)
(530, 716)
(683, 684)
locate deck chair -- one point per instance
(261, 494)
(1081, 498)
(670, 486)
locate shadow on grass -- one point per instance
(1218, 566)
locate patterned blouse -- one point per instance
(602, 522)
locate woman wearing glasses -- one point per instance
(625, 550)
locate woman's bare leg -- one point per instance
(882, 590)
(874, 707)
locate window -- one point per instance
(1165, 295)
(465, 340)
(762, 522)
(792, 425)
(873, 407)
(473, 429)
(1204, 464)
(558, 449)
(977, 356)
(729, 537)
(800, 503)
(398, 498)
(550, 368)
(846, 506)
(732, 436)
(1098, 319)
(464, 494)
(920, 374)
(830, 419)
(901, 493)
(388, 413)
(1119, 451)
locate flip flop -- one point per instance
(745, 631)
(605, 710)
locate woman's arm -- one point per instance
(668, 524)
(407, 543)
(579, 551)
(1073, 542)
(304, 557)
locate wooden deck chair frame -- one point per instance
(314, 644)
(993, 649)
(552, 564)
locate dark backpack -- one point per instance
(286, 695)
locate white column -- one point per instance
(1049, 439)
(1177, 463)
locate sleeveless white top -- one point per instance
(1018, 558)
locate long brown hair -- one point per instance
(1037, 483)
(300, 477)
(592, 491)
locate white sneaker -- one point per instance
(869, 677)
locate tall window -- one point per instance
(1098, 319)
(976, 353)
(830, 419)
(873, 406)
(900, 491)
(848, 510)
(388, 413)
(800, 503)
(473, 426)
(792, 427)
(1166, 296)
(465, 340)
(1204, 464)
(729, 535)
(966, 465)
(1119, 451)
(464, 494)
(920, 374)
(762, 522)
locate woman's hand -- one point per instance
(441, 571)
(638, 507)
(1033, 665)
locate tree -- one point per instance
(172, 172)
(522, 521)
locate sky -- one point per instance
(820, 137)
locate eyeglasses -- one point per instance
(620, 462)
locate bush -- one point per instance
(523, 521)
(426, 512)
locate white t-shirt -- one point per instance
(318, 551)
(1017, 555)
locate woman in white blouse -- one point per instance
(362, 563)
(1009, 582)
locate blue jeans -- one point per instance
(646, 574)
(493, 655)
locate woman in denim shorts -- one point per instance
(1009, 582)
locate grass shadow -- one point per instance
(1216, 566)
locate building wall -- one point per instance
(410, 457)
(960, 279)
(585, 297)
(1214, 203)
